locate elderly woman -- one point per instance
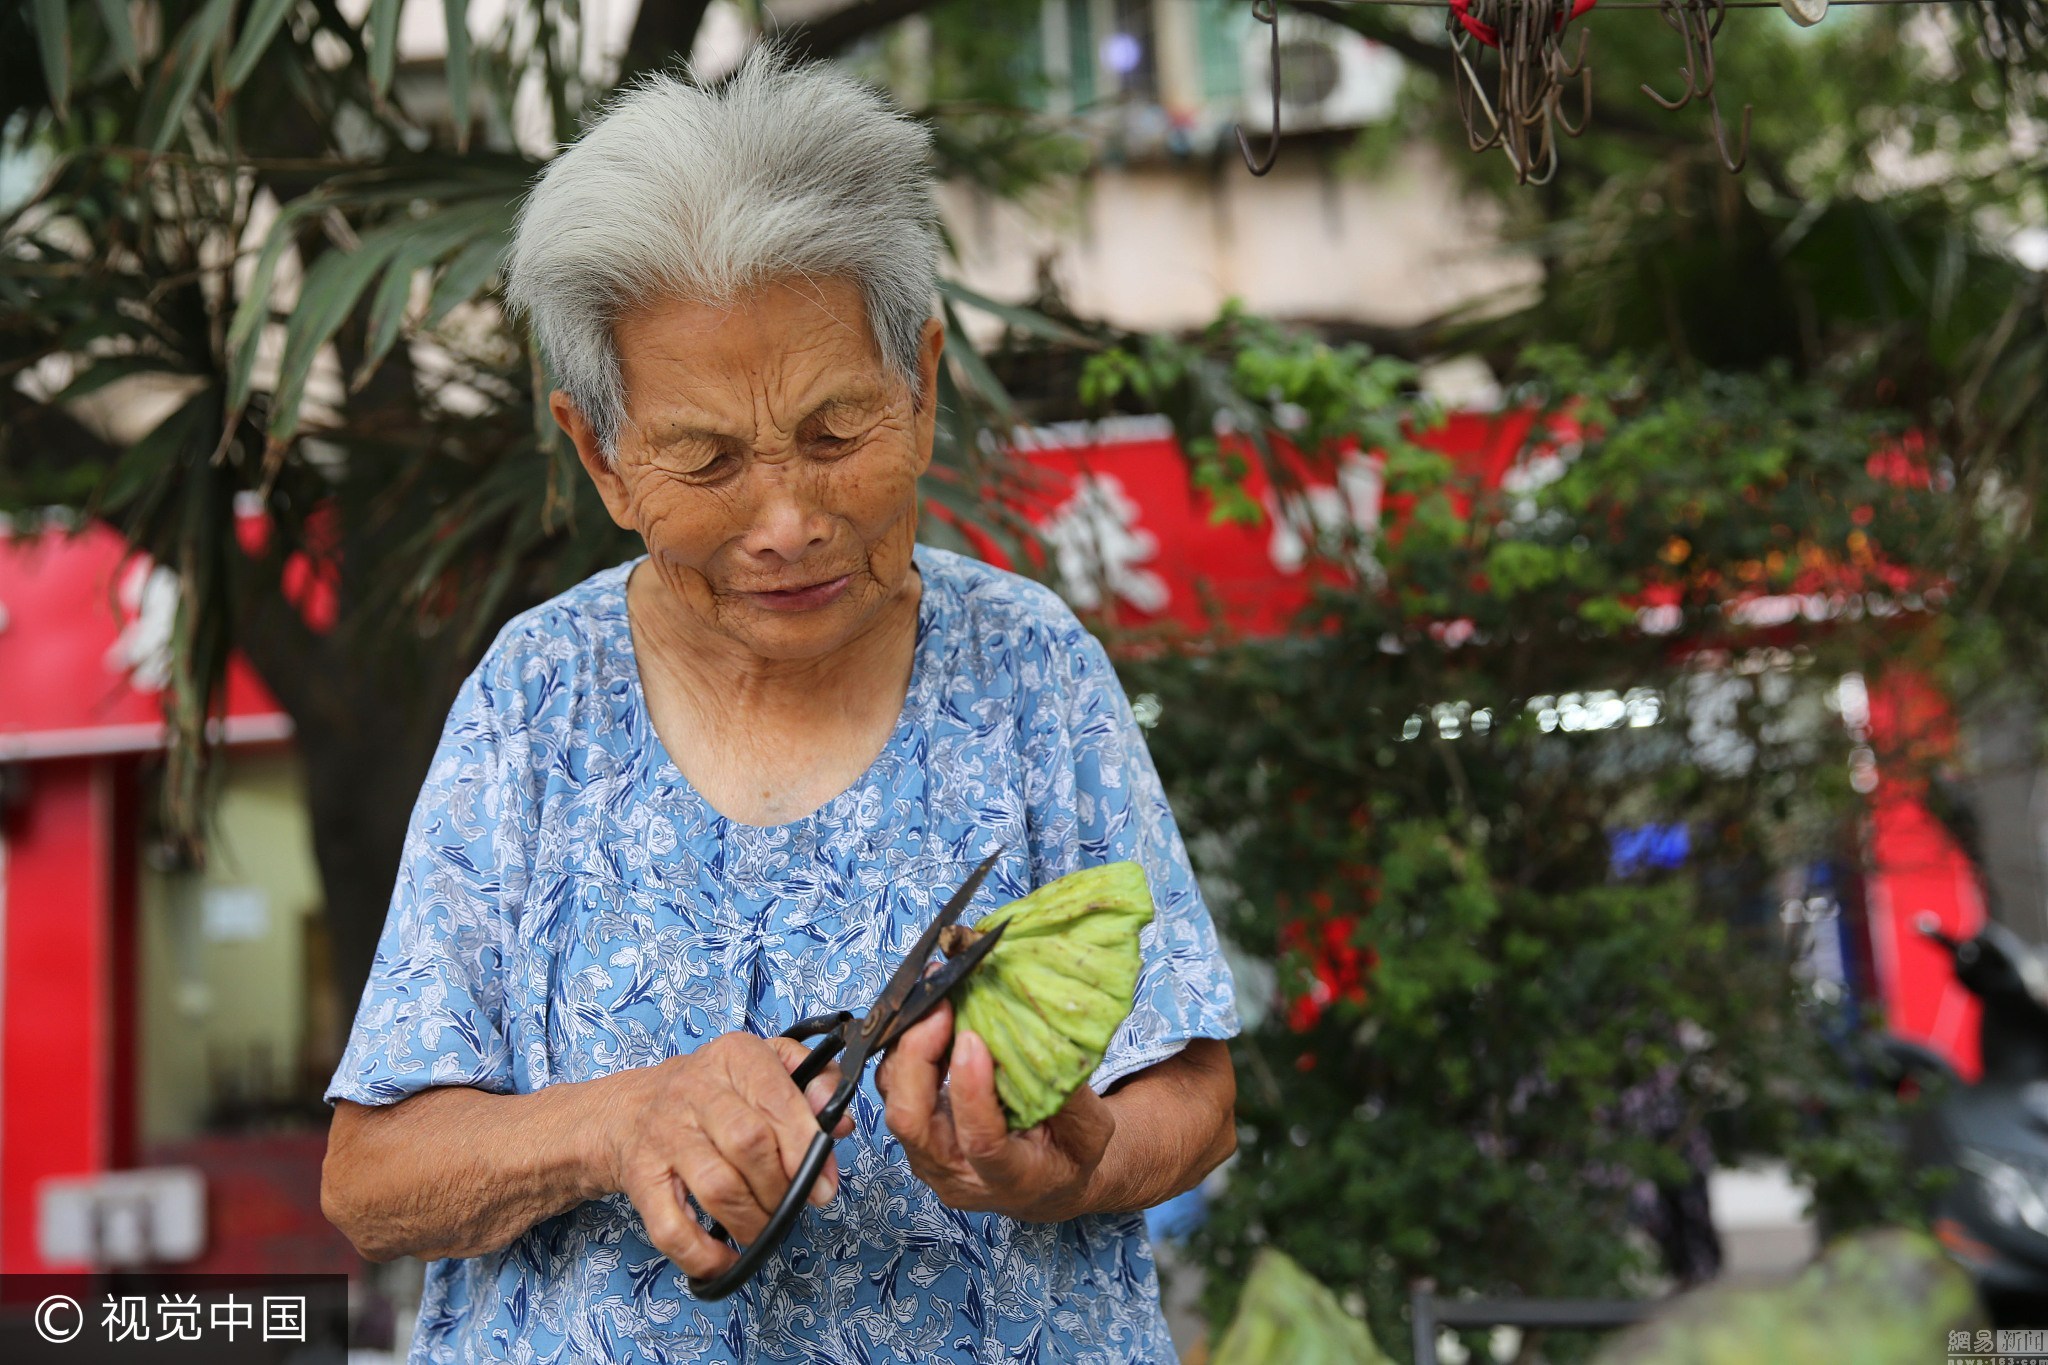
(724, 786)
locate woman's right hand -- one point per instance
(722, 1123)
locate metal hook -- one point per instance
(1470, 92)
(1678, 15)
(1565, 71)
(1697, 23)
(1267, 13)
(1531, 77)
(1580, 71)
(1741, 158)
(1684, 98)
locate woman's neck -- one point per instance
(761, 736)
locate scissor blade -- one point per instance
(912, 966)
(928, 991)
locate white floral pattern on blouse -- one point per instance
(569, 906)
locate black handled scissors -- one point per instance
(910, 995)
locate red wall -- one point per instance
(69, 600)
(65, 1077)
(262, 1205)
(68, 1003)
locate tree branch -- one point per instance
(843, 27)
(662, 32)
(1395, 37)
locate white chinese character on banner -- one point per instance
(127, 1318)
(149, 610)
(177, 1318)
(1097, 543)
(232, 1313)
(1328, 513)
(284, 1317)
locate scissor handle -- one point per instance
(910, 1007)
(833, 1026)
(739, 1272)
(813, 1025)
(779, 1223)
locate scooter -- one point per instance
(1993, 1217)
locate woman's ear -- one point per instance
(930, 348)
(603, 470)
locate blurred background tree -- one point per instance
(1895, 159)
(295, 237)
(1504, 1044)
(1510, 1052)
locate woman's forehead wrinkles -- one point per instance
(795, 382)
(755, 369)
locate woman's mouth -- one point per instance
(803, 599)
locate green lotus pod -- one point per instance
(1053, 992)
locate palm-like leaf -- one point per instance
(381, 234)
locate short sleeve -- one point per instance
(1094, 797)
(433, 1012)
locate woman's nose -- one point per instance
(786, 521)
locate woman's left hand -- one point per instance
(959, 1142)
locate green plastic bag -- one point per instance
(1288, 1317)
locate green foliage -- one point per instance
(276, 205)
(1243, 374)
(249, 263)
(1426, 780)
(1868, 244)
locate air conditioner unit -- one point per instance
(1330, 77)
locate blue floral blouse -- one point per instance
(569, 906)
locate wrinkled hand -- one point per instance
(725, 1124)
(959, 1142)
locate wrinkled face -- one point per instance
(770, 460)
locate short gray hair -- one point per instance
(701, 193)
